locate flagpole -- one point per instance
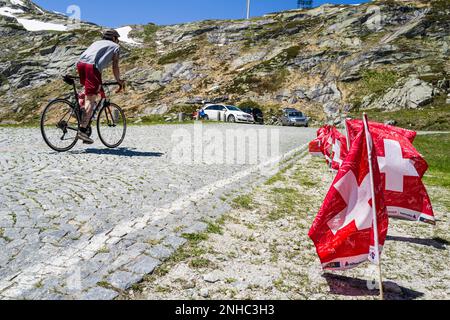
(374, 205)
(346, 134)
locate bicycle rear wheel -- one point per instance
(111, 125)
(59, 125)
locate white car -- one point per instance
(222, 112)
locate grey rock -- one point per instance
(174, 241)
(99, 293)
(390, 122)
(159, 252)
(204, 293)
(143, 265)
(412, 94)
(325, 93)
(123, 280)
(211, 277)
(47, 50)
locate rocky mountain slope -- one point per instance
(384, 56)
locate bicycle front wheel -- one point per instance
(111, 125)
(59, 125)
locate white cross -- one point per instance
(395, 166)
(337, 152)
(357, 199)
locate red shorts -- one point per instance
(90, 78)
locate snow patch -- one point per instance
(124, 32)
(35, 25)
(31, 25)
(9, 12)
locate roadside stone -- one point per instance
(211, 277)
(204, 293)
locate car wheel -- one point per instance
(232, 119)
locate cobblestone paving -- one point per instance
(74, 225)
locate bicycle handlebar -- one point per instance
(115, 83)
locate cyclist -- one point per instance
(90, 66)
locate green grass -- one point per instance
(427, 119)
(195, 238)
(285, 200)
(436, 150)
(199, 263)
(243, 201)
(214, 228)
(375, 82)
(150, 32)
(178, 55)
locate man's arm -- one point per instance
(116, 71)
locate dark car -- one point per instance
(256, 113)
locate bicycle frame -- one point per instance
(77, 108)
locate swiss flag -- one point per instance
(314, 148)
(402, 168)
(354, 127)
(343, 231)
(326, 142)
(339, 149)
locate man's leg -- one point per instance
(91, 103)
(86, 117)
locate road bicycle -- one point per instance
(61, 119)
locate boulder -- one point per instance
(325, 93)
(331, 109)
(47, 50)
(414, 93)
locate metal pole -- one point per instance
(374, 205)
(248, 9)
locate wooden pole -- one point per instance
(374, 205)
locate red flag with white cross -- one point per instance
(314, 148)
(339, 149)
(354, 127)
(343, 231)
(326, 142)
(402, 168)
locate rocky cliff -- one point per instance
(383, 56)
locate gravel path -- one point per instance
(72, 221)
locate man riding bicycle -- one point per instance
(90, 66)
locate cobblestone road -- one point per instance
(72, 221)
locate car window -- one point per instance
(295, 114)
(232, 108)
